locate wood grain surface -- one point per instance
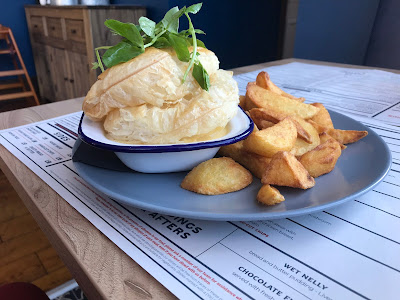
(98, 265)
(21, 240)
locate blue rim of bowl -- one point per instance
(166, 148)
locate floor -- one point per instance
(25, 253)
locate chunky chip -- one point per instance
(242, 101)
(323, 137)
(269, 195)
(322, 159)
(264, 117)
(267, 142)
(257, 97)
(217, 176)
(319, 128)
(255, 163)
(342, 136)
(265, 82)
(347, 136)
(245, 103)
(322, 117)
(285, 170)
(301, 146)
(262, 124)
(270, 115)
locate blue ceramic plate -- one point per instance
(361, 167)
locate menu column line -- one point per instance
(216, 243)
(57, 163)
(378, 127)
(391, 196)
(378, 113)
(347, 247)
(370, 231)
(71, 170)
(392, 184)
(377, 207)
(395, 163)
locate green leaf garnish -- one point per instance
(180, 46)
(201, 76)
(187, 33)
(127, 30)
(168, 19)
(194, 9)
(148, 26)
(136, 38)
(171, 19)
(199, 43)
(121, 52)
(162, 42)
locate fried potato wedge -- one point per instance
(255, 163)
(322, 159)
(323, 117)
(242, 101)
(323, 137)
(263, 120)
(301, 129)
(257, 97)
(342, 136)
(320, 129)
(269, 195)
(269, 141)
(262, 124)
(285, 170)
(263, 80)
(264, 117)
(217, 176)
(301, 146)
(271, 115)
(347, 136)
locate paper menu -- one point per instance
(348, 252)
(369, 93)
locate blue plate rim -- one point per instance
(166, 148)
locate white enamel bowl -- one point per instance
(169, 157)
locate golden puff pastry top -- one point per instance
(144, 100)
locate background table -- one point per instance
(101, 269)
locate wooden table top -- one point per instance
(101, 269)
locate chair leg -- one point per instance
(23, 66)
(20, 79)
(10, 47)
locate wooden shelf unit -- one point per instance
(63, 41)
